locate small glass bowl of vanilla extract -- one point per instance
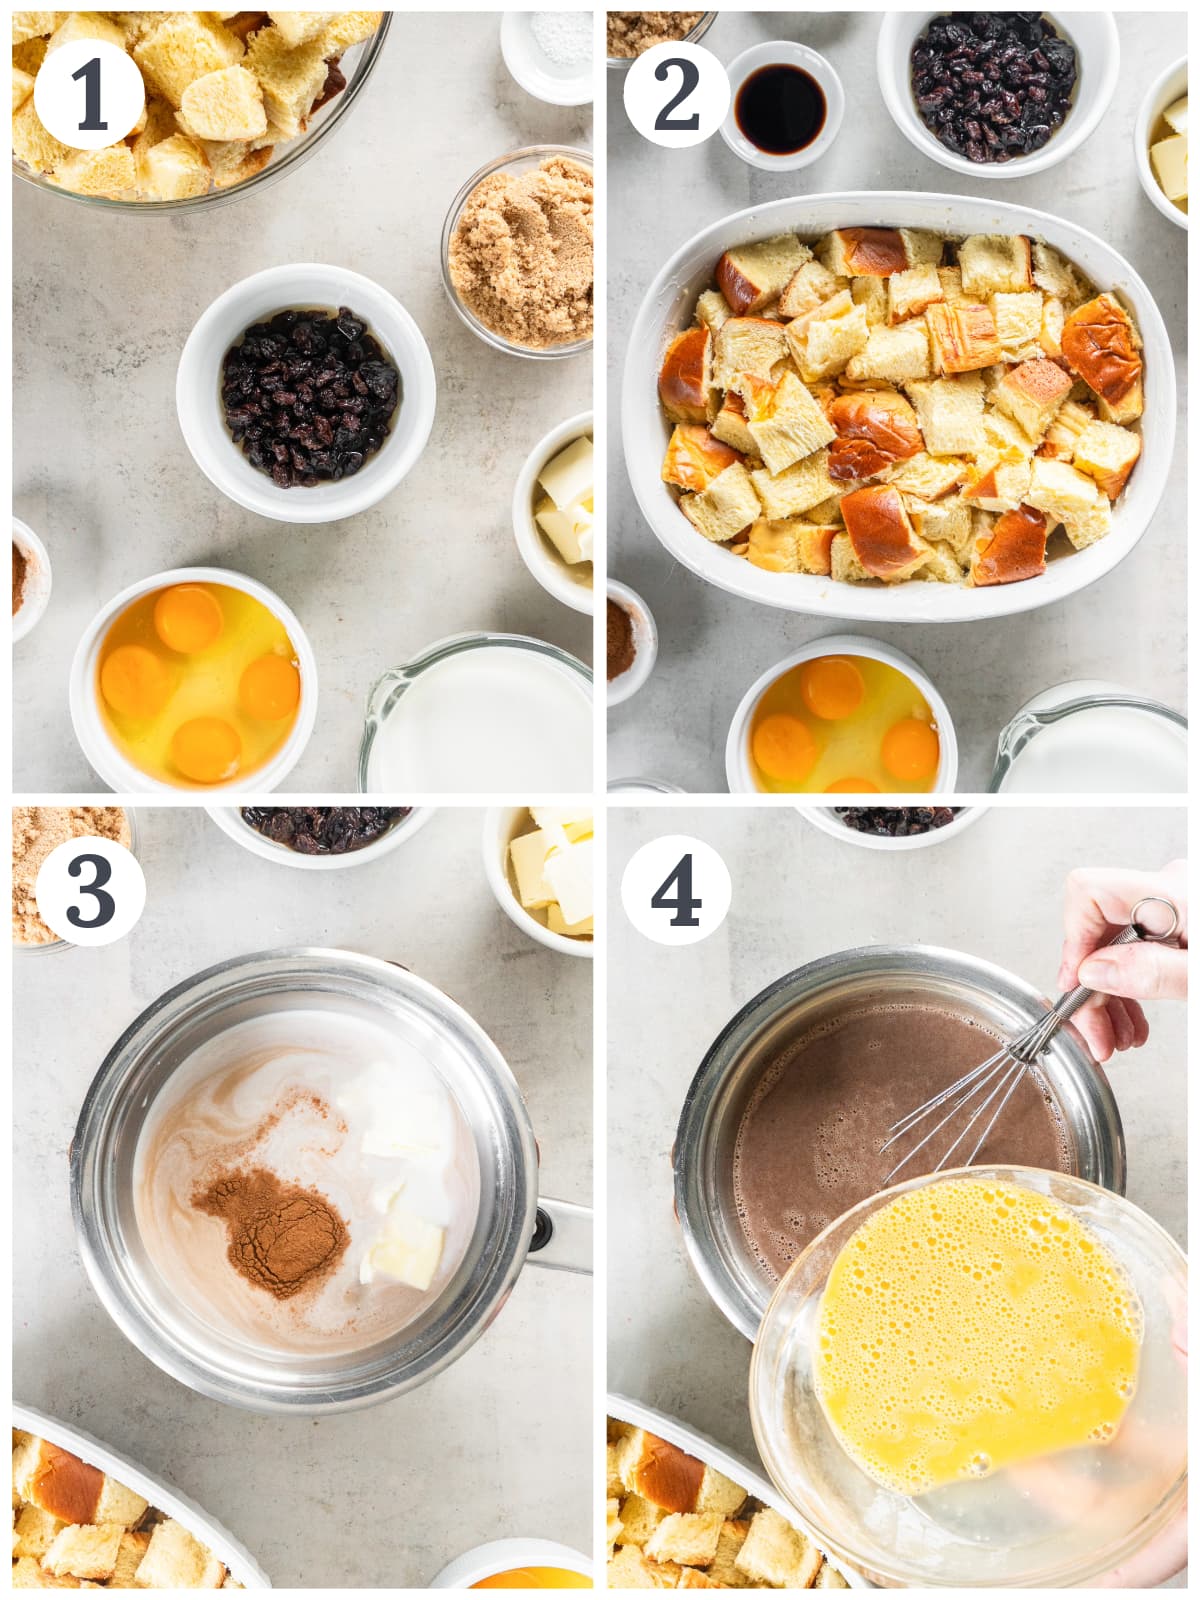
(785, 107)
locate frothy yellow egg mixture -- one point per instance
(844, 725)
(970, 1325)
(198, 684)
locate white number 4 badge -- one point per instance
(676, 890)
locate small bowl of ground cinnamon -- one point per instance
(632, 642)
(518, 252)
(31, 580)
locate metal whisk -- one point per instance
(1154, 919)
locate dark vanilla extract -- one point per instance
(780, 109)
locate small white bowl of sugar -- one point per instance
(549, 53)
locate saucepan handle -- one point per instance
(562, 1236)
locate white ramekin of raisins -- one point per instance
(997, 94)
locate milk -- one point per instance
(1102, 750)
(500, 719)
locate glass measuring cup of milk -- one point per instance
(1091, 737)
(476, 713)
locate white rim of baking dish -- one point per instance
(667, 307)
(747, 1476)
(738, 772)
(161, 1495)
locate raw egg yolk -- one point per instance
(188, 618)
(206, 749)
(269, 689)
(853, 786)
(784, 748)
(832, 687)
(911, 750)
(135, 682)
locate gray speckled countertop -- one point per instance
(104, 304)
(498, 1446)
(1129, 627)
(995, 892)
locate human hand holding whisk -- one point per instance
(1099, 902)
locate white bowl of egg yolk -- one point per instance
(844, 715)
(196, 679)
(517, 1564)
(977, 1379)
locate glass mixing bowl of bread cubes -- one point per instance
(911, 422)
(233, 99)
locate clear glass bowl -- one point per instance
(620, 63)
(65, 944)
(1062, 1520)
(516, 161)
(1072, 709)
(357, 63)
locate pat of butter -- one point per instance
(418, 1126)
(409, 1250)
(528, 856)
(557, 923)
(569, 874)
(561, 531)
(570, 476)
(1169, 158)
(575, 824)
(1176, 115)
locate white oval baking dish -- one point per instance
(668, 307)
(161, 1496)
(639, 1415)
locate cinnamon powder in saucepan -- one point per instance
(282, 1238)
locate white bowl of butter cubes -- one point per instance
(553, 512)
(538, 861)
(1161, 142)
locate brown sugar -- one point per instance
(521, 258)
(36, 831)
(282, 1238)
(631, 32)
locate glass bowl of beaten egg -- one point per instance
(197, 679)
(844, 715)
(1046, 1303)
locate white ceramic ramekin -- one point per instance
(509, 1555)
(824, 818)
(570, 584)
(501, 825)
(645, 642)
(120, 773)
(531, 67)
(231, 822)
(738, 770)
(1098, 65)
(1168, 86)
(787, 53)
(669, 306)
(257, 298)
(38, 579)
(161, 1496)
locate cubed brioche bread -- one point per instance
(1032, 393)
(1100, 345)
(809, 286)
(695, 1578)
(893, 355)
(184, 46)
(629, 1569)
(685, 378)
(723, 1567)
(872, 295)
(753, 345)
(875, 429)
(835, 333)
(1088, 525)
(830, 1578)
(694, 458)
(995, 263)
(1064, 433)
(1018, 322)
(754, 275)
(950, 414)
(911, 291)
(82, 1550)
(777, 1554)
(998, 485)
(863, 252)
(110, 172)
(34, 144)
(175, 1560)
(800, 488)
(34, 1531)
(941, 566)
(881, 534)
(1054, 274)
(1050, 333)
(290, 80)
(774, 546)
(1059, 490)
(929, 477)
(129, 1558)
(639, 1518)
(962, 337)
(298, 27)
(719, 512)
(1107, 453)
(1013, 550)
(785, 421)
(226, 104)
(89, 25)
(942, 522)
(712, 310)
(690, 1538)
(814, 546)
(22, 87)
(173, 169)
(730, 425)
(349, 28)
(32, 25)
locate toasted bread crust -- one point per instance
(683, 378)
(1098, 346)
(881, 533)
(1015, 551)
(874, 252)
(875, 429)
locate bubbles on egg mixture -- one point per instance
(1027, 1336)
